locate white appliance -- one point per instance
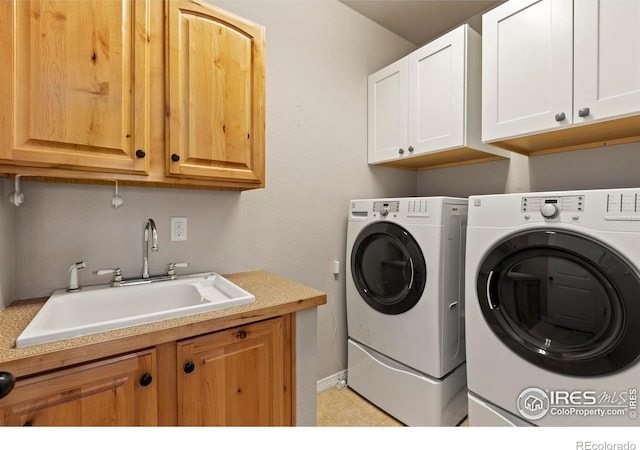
(405, 311)
(553, 308)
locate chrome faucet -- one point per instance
(150, 227)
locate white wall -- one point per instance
(6, 247)
(319, 54)
(615, 166)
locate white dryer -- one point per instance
(553, 308)
(405, 311)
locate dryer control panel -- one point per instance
(551, 206)
(619, 206)
(623, 206)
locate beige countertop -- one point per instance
(274, 296)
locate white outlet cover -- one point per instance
(178, 228)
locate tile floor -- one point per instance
(345, 408)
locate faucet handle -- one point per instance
(117, 272)
(73, 275)
(174, 266)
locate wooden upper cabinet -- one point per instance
(116, 392)
(74, 85)
(157, 93)
(216, 94)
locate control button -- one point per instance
(527, 217)
(549, 211)
(610, 217)
(575, 218)
(624, 217)
(635, 217)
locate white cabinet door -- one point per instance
(387, 112)
(437, 94)
(606, 59)
(527, 70)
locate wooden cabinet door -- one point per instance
(74, 85)
(234, 377)
(108, 392)
(527, 68)
(437, 85)
(606, 59)
(388, 111)
(216, 96)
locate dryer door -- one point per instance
(388, 268)
(562, 301)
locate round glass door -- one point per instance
(562, 301)
(388, 268)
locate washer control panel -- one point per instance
(550, 207)
(384, 208)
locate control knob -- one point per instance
(550, 210)
(384, 211)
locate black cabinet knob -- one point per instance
(146, 380)
(189, 367)
(7, 381)
(241, 334)
(140, 153)
(175, 157)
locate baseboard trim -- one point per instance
(332, 381)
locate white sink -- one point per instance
(101, 308)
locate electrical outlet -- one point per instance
(178, 228)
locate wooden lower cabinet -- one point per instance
(236, 377)
(116, 391)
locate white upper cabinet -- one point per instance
(606, 59)
(551, 66)
(437, 89)
(527, 68)
(424, 110)
(388, 111)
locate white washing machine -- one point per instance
(405, 311)
(553, 308)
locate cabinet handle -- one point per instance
(410, 149)
(140, 153)
(189, 367)
(146, 380)
(401, 151)
(7, 381)
(560, 117)
(241, 334)
(584, 112)
(27, 424)
(175, 157)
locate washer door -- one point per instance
(562, 301)
(388, 268)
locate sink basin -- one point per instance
(101, 308)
